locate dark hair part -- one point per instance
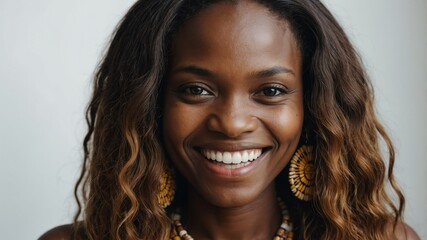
(124, 157)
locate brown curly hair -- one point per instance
(124, 158)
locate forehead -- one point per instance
(228, 31)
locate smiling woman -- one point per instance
(234, 90)
(233, 120)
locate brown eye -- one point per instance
(195, 90)
(272, 91)
(271, 94)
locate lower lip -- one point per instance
(225, 170)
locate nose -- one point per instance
(232, 118)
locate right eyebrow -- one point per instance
(194, 70)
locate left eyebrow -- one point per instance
(271, 72)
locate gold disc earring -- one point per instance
(301, 173)
(167, 188)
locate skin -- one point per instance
(235, 83)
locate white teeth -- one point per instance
(237, 158)
(233, 166)
(218, 156)
(251, 156)
(226, 158)
(245, 156)
(233, 158)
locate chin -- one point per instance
(232, 197)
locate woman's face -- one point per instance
(233, 109)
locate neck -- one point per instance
(258, 219)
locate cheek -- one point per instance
(179, 122)
(286, 124)
(174, 124)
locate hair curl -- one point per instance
(123, 154)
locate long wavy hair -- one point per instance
(124, 158)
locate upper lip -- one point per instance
(231, 147)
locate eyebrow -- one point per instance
(256, 74)
(195, 70)
(271, 72)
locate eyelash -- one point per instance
(187, 89)
(277, 88)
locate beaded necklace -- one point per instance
(283, 233)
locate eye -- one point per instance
(272, 94)
(272, 91)
(195, 90)
(194, 93)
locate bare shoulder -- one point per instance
(63, 232)
(405, 232)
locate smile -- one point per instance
(234, 159)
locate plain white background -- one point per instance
(49, 50)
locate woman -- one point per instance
(233, 120)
